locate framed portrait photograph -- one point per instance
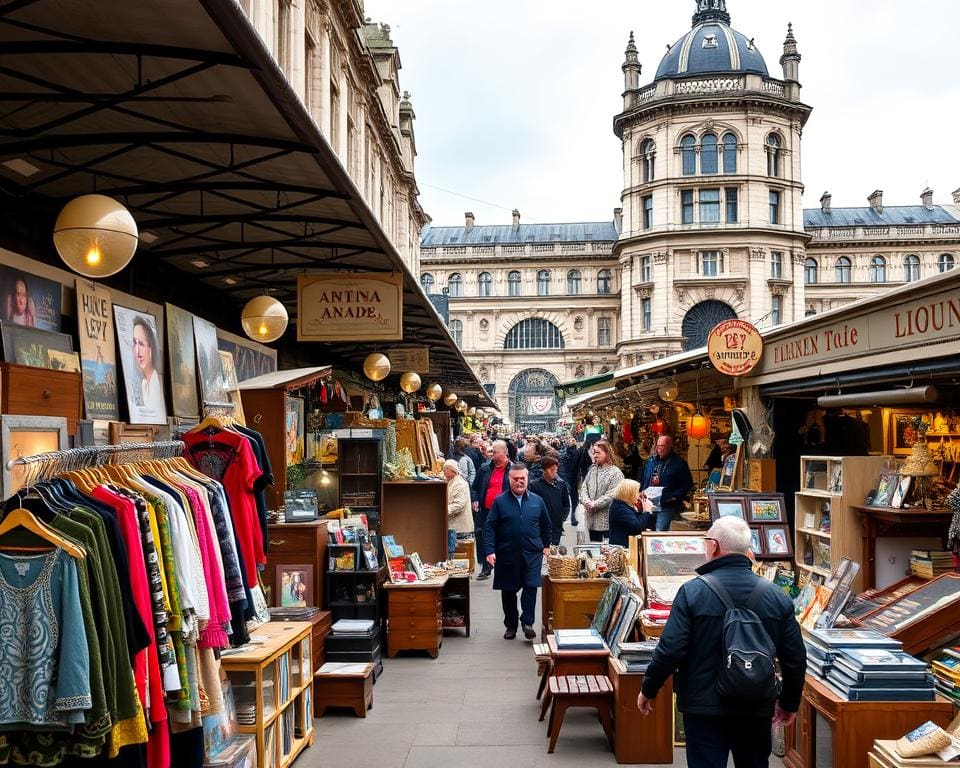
(730, 471)
(726, 506)
(885, 488)
(29, 301)
(903, 432)
(766, 509)
(141, 359)
(777, 541)
(901, 490)
(756, 541)
(293, 586)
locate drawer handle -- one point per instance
(277, 542)
(46, 394)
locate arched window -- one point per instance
(456, 330)
(543, 282)
(878, 269)
(946, 262)
(426, 282)
(911, 268)
(573, 282)
(688, 150)
(485, 284)
(534, 333)
(604, 281)
(648, 154)
(513, 283)
(729, 153)
(810, 271)
(842, 270)
(774, 151)
(455, 284)
(708, 154)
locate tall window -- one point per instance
(646, 271)
(708, 154)
(513, 283)
(709, 206)
(283, 47)
(543, 282)
(810, 271)
(688, 152)
(534, 333)
(733, 214)
(604, 337)
(711, 263)
(776, 265)
(945, 262)
(911, 268)
(426, 282)
(485, 284)
(573, 282)
(456, 330)
(774, 207)
(842, 269)
(648, 154)
(729, 153)
(774, 151)
(604, 281)
(646, 315)
(648, 212)
(686, 206)
(878, 269)
(776, 311)
(455, 285)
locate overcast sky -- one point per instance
(515, 98)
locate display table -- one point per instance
(636, 738)
(415, 616)
(890, 521)
(828, 726)
(569, 603)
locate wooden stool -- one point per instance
(351, 688)
(541, 652)
(579, 691)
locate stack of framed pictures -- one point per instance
(669, 559)
(766, 516)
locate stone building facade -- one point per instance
(345, 70)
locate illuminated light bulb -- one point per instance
(94, 255)
(264, 319)
(95, 236)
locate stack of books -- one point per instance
(636, 657)
(946, 671)
(579, 639)
(293, 614)
(930, 563)
(884, 754)
(352, 627)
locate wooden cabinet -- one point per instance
(636, 738)
(831, 732)
(569, 603)
(276, 679)
(415, 514)
(29, 391)
(456, 597)
(360, 470)
(415, 616)
(831, 487)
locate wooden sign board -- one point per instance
(350, 307)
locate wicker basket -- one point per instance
(562, 567)
(617, 561)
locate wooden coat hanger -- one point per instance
(24, 518)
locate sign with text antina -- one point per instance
(734, 347)
(350, 307)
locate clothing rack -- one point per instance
(45, 465)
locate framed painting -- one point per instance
(903, 431)
(885, 488)
(30, 346)
(726, 506)
(670, 559)
(293, 586)
(756, 540)
(776, 541)
(900, 491)
(915, 605)
(181, 350)
(730, 471)
(29, 301)
(765, 509)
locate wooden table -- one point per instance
(852, 726)
(636, 738)
(415, 616)
(890, 521)
(569, 603)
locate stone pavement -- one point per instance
(473, 706)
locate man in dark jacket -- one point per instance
(555, 495)
(691, 649)
(570, 472)
(667, 470)
(516, 538)
(492, 479)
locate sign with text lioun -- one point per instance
(734, 347)
(349, 307)
(98, 356)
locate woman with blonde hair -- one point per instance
(596, 490)
(626, 518)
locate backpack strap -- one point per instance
(718, 589)
(758, 591)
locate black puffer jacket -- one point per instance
(692, 643)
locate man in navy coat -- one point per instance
(516, 537)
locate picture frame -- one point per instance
(626, 622)
(140, 340)
(23, 436)
(901, 491)
(182, 362)
(756, 540)
(777, 541)
(669, 560)
(885, 487)
(723, 505)
(31, 346)
(293, 586)
(29, 300)
(914, 606)
(730, 471)
(765, 509)
(902, 434)
(98, 351)
(416, 564)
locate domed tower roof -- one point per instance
(711, 47)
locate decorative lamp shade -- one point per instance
(376, 366)
(410, 382)
(450, 399)
(698, 426)
(434, 391)
(668, 391)
(657, 427)
(264, 319)
(95, 236)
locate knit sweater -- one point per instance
(598, 486)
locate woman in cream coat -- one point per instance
(459, 509)
(597, 489)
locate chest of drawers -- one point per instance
(415, 617)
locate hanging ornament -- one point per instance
(450, 399)
(433, 391)
(264, 319)
(376, 366)
(668, 391)
(95, 236)
(410, 382)
(698, 427)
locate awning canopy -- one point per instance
(177, 109)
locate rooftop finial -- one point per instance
(711, 10)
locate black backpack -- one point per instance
(748, 671)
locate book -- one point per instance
(874, 659)
(853, 638)
(584, 639)
(391, 547)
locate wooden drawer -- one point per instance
(414, 609)
(293, 541)
(415, 638)
(415, 624)
(415, 596)
(28, 391)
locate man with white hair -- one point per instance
(492, 479)
(692, 649)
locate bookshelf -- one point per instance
(360, 470)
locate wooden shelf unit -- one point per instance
(820, 494)
(456, 594)
(278, 707)
(415, 514)
(360, 472)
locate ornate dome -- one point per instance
(711, 47)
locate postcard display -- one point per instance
(767, 517)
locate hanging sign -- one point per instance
(734, 347)
(349, 307)
(416, 359)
